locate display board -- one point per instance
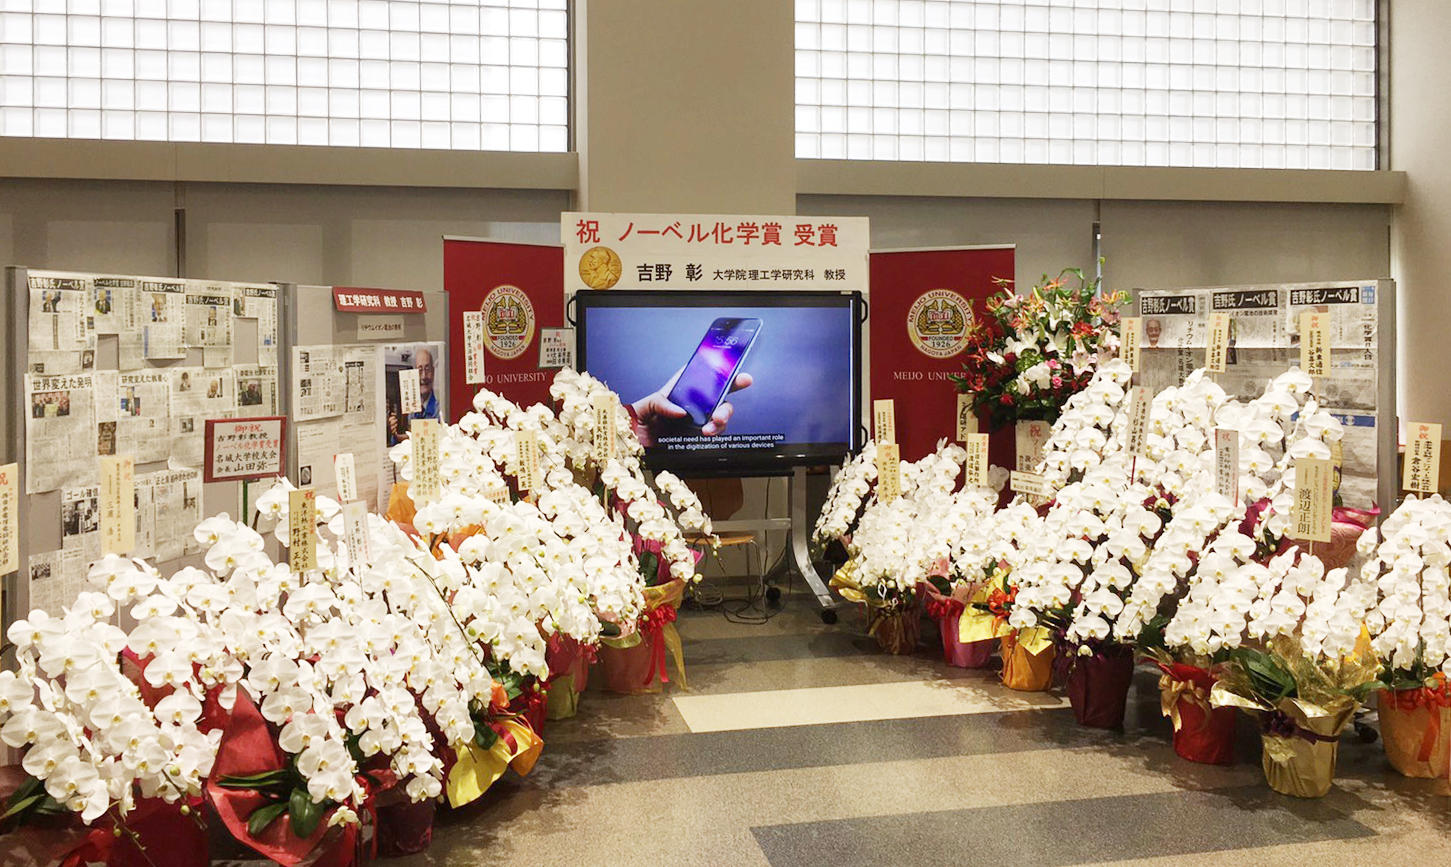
(107, 365)
(1263, 340)
(924, 302)
(343, 379)
(518, 291)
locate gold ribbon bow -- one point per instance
(1172, 691)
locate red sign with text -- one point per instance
(347, 299)
(519, 289)
(922, 304)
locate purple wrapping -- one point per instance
(1098, 686)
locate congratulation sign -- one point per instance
(1422, 472)
(688, 251)
(244, 448)
(349, 300)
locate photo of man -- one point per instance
(1153, 330)
(424, 358)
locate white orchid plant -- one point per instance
(1405, 589)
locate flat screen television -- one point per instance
(730, 383)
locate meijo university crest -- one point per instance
(938, 322)
(508, 321)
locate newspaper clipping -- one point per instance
(197, 394)
(60, 441)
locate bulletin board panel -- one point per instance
(342, 375)
(123, 364)
(1360, 389)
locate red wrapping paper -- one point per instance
(247, 748)
(629, 670)
(565, 655)
(1200, 736)
(1098, 686)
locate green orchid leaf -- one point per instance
(305, 815)
(264, 816)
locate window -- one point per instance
(1230, 83)
(490, 75)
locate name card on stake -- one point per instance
(1217, 356)
(966, 419)
(1226, 463)
(1315, 343)
(410, 398)
(118, 504)
(884, 421)
(1422, 471)
(889, 472)
(1138, 433)
(473, 347)
(604, 436)
(345, 469)
(976, 467)
(1314, 498)
(1032, 484)
(426, 481)
(9, 518)
(1131, 329)
(301, 530)
(527, 453)
(355, 529)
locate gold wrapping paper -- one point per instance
(1295, 765)
(977, 624)
(896, 632)
(563, 700)
(1028, 660)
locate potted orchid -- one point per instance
(958, 529)
(896, 545)
(1410, 629)
(850, 491)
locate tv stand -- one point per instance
(799, 546)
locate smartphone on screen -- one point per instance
(707, 376)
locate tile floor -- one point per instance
(799, 743)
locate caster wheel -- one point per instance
(773, 594)
(828, 616)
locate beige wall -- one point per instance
(362, 236)
(686, 106)
(1050, 234)
(1420, 131)
(1168, 244)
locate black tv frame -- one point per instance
(745, 463)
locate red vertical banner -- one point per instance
(922, 304)
(519, 288)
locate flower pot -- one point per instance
(405, 828)
(973, 654)
(563, 702)
(1098, 686)
(1413, 725)
(1022, 670)
(1298, 767)
(898, 631)
(628, 670)
(947, 612)
(1202, 733)
(1300, 743)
